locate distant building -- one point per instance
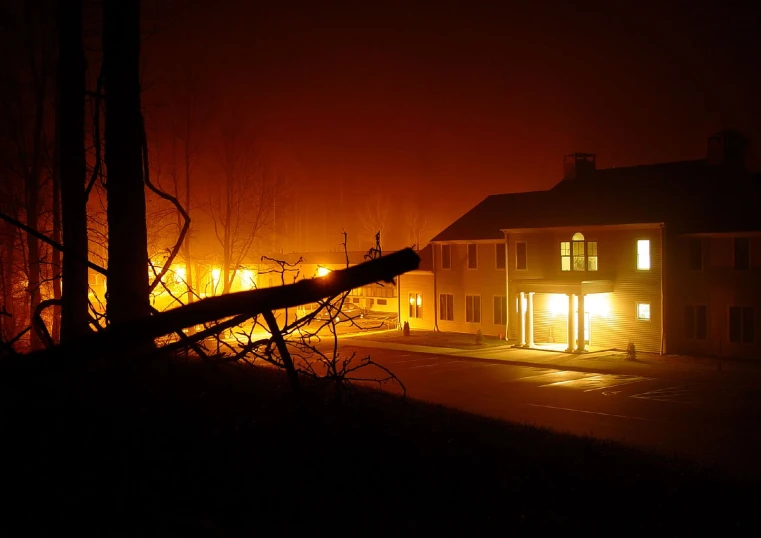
(665, 256)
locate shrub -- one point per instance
(631, 351)
(406, 328)
(479, 337)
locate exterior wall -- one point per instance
(416, 282)
(617, 325)
(717, 286)
(486, 281)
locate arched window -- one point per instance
(578, 255)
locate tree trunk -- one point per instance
(127, 234)
(56, 254)
(186, 246)
(70, 136)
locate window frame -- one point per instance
(649, 311)
(649, 255)
(590, 256)
(525, 256)
(416, 302)
(473, 315)
(734, 254)
(448, 257)
(500, 300)
(448, 306)
(563, 256)
(474, 266)
(500, 257)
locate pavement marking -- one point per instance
(677, 393)
(417, 360)
(433, 365)
(552, 375)
(594, 413)
(597, 382)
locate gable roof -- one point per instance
(689, 195)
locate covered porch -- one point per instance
(575, 304)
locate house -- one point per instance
(664, 256)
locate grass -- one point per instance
(193, 450)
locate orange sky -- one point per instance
(448, 102)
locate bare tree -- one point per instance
(241, 206)
(374, 216)
(415, 225)
(125, 160)
(26, 110)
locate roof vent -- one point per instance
(728, 148)
(579, 165)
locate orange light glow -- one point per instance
(558, 304)
(323, 271)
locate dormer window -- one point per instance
(578, 254)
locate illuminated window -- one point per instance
(579, 260)
(695, 322)
(742, 324)
(473, 308)
(592, 256)
(742, 253)
(696, 254)
(643, 311)
(446, 307)
(500, 253)
(472, 256)
(565, 256)
(643, 254)
(500, 310)
(416, 305)
(446, 257)
(520, 256)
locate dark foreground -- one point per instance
(195, 450)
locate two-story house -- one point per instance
(665, 256)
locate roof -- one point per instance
(689, 196)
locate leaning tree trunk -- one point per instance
(127, 234)
(70, 136)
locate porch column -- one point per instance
(531, 319)
(571, 332)
(522, 318)
(580, 325)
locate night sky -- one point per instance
(440, 104)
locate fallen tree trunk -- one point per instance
(123, 339)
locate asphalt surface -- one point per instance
(714, 422)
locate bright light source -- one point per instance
(412, 299)
(180, 273)
(558, 304)
(323, 271)
(598, 304)
(419, 300)
(215, 278)
(643, 254)
(248, 278)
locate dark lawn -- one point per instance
(193, 450)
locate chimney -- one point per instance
(579, 165)
(727, 148)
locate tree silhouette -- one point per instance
(125, 159)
